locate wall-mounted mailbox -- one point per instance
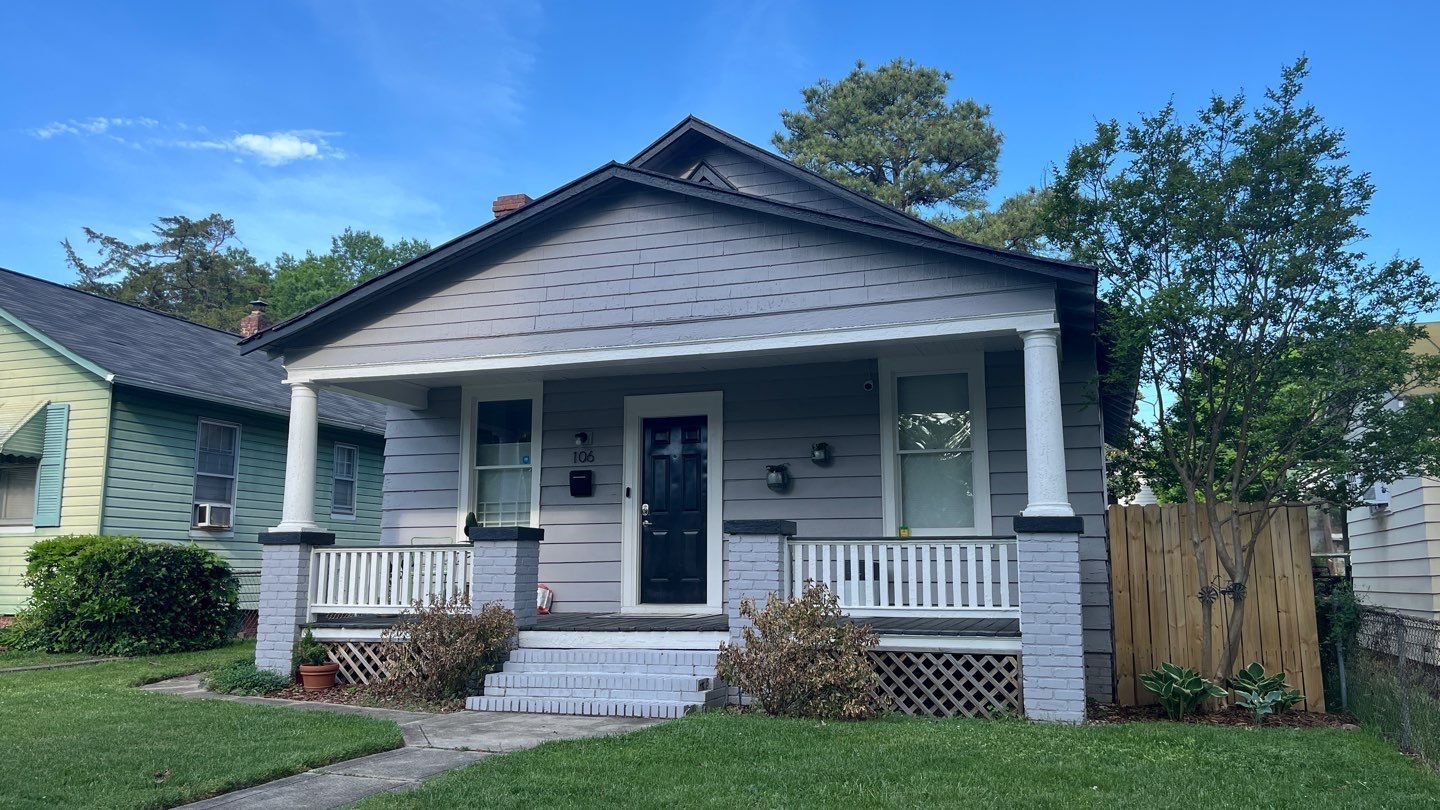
(582, 483)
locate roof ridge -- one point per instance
(110, 300)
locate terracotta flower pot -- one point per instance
(315, 677)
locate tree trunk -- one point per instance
(1232, 639)
(1207, 606)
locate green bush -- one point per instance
(309, 652)
(801, 659)
(443, 651)
(243, 678)
(1181, 690)
(120, 596)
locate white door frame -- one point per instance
(709, 404)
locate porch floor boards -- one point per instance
(629, 623)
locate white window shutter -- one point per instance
(50, 479)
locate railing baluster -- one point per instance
(970, 577)
(989, 575)
(885, 575)
(868, 580)
(1004, 552)
(914, 582)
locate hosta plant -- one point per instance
(1254, 688)
(1181, 690)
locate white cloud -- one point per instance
(274, 148)
(98, 125)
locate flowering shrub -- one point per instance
(442, 651)
(801, 659)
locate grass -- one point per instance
(727, 760)
(82, 737)
(23, 658)
(1375, 698)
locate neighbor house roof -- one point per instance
(141, 348)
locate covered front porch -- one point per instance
(913, 477)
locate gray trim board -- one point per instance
(297, 538)
(482, 534)
(785, 527)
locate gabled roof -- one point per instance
(608, 176)
(141, 348)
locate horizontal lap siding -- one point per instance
(151, 476)
(1395, 554)
(653, 267)
(31, 370)
(422, 463)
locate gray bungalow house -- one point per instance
(119, 420)
(702, 375)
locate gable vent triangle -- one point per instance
(706, 176)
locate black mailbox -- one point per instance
(582, 483)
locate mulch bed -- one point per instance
(373, 697)
(1227, 716)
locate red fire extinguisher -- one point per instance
(543, 599)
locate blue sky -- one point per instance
(299, 119)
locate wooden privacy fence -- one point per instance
(1155, 585)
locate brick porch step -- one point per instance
(603, 682)
(587, 706)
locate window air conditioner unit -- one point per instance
(212, 515)
(1377, 497)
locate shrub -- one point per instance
(1263, 693)
(443, 651)
(243, 678)
(120, 596)
(800, 659)
(309, 652)
(1181, 690)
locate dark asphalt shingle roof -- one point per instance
(150, 350)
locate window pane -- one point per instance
(344, 462)
(212, 489)
(502, 497)
(502, 433)
(17, 493)
(217, 449)
(937, 491)
(344, 500)
(933, 412)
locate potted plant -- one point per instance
(316, 670)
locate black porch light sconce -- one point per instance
(821, 454)
(777, 477)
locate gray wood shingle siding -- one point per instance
(750, 176)
(647, 266)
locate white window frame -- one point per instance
(234, 479)
(711, 405)
(354, 480)
(22, 525)
(890, 370)
(470, 397)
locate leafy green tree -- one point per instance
(191, 269)
(354, 256)
(891, 133)
(1018, 224)
(1273, 351)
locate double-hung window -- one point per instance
(503, 465)
(217, 458)
(342, 475)
(17, 493)
(936, 450)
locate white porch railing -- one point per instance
(386, 580)
(912, 576)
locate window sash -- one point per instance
(210, 456)
(520, 508)
(17, 494)
(899, 451)
(343, 473)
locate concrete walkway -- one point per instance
(434, 743)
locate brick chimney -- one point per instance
(509, 204)
(257, 321)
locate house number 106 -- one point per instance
(584, 457)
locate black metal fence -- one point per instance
(249, 589)
(1389, 679)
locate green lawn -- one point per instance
(81, 737)
(723, 760)
(23, 658)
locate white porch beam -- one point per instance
(1044, 428)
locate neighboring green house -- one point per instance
(120, 420)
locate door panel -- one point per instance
(673, 550)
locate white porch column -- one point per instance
(1044, 428)
(298, 511)
(1047, 539)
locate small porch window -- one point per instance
(502, 478)
(217, 456)
(934, 443)
(342, 479)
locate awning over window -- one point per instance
(22, 427)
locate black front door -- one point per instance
(672, 511)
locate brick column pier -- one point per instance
(755, 565)
(1052, 648)
(506, 570)
(284, 595)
